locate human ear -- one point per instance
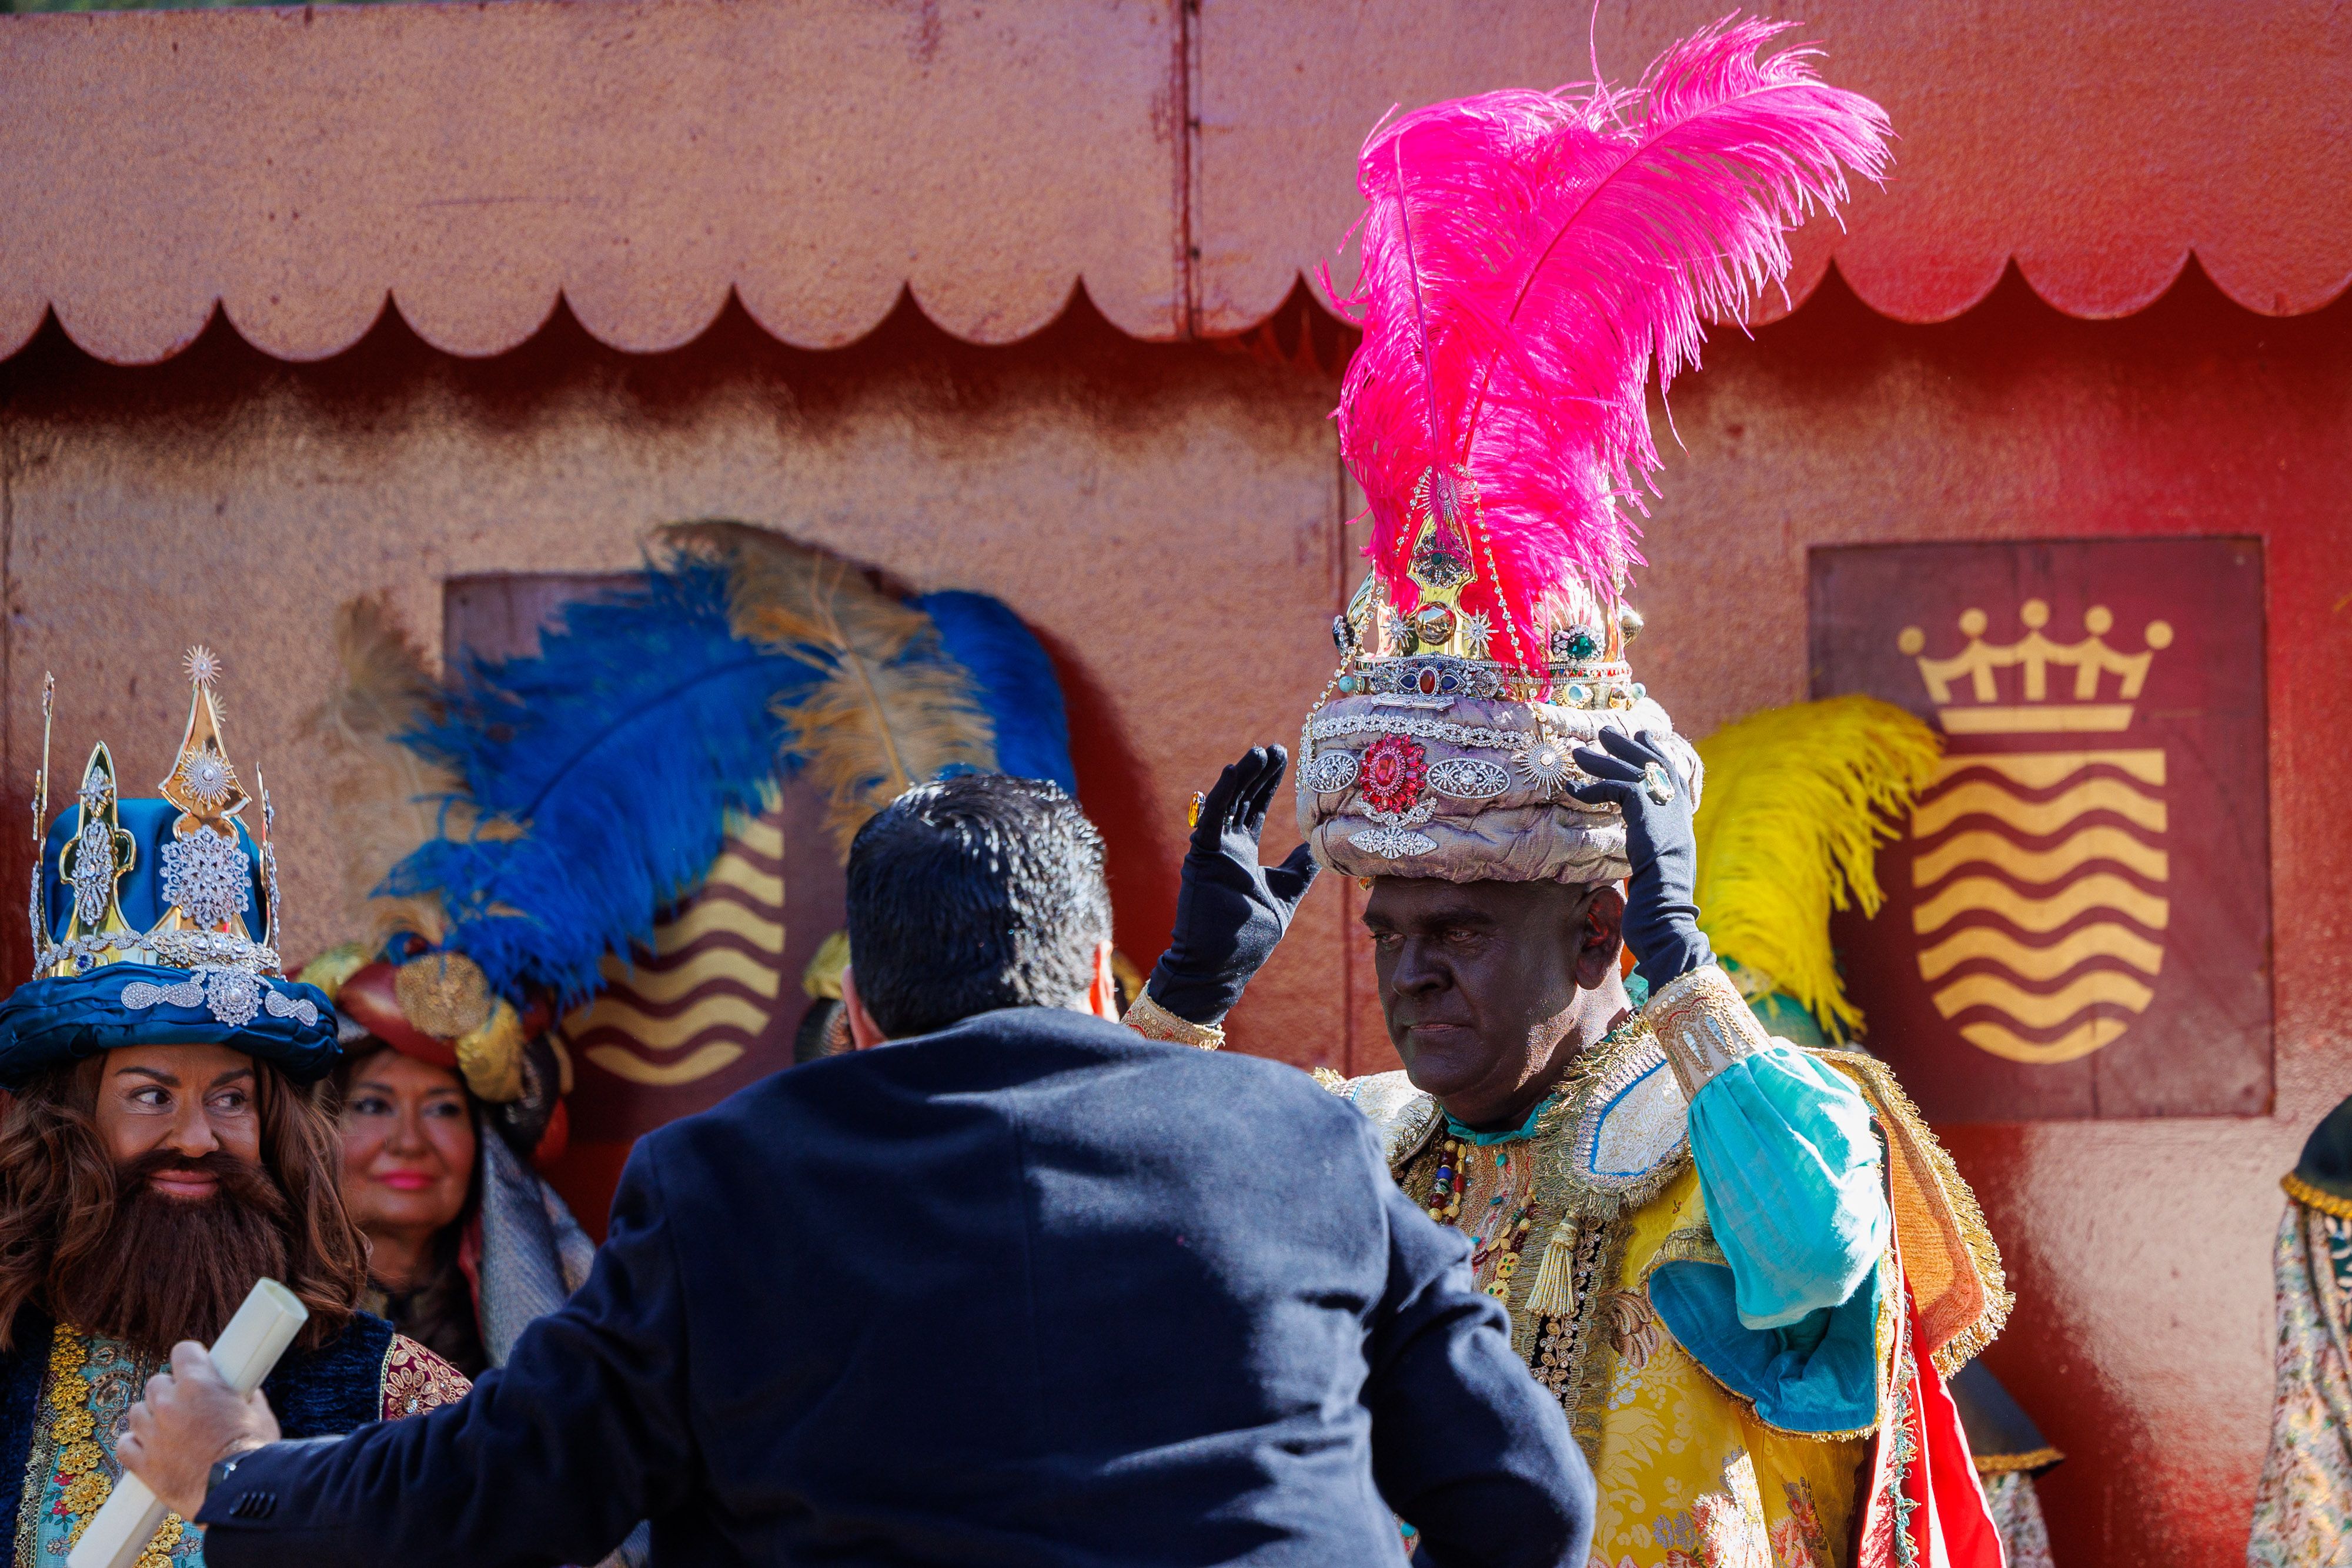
(865, 1034)
(1601, 935)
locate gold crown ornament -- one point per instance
(155, 919)
(1436, 750)
(176, 882)
(1995, 701)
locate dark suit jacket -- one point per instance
(1028, 1290)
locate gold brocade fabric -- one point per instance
(1688, 1477)
(91, 1386)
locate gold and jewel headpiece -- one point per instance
(155, 919)
(1529, 260)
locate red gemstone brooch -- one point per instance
(1395, 771)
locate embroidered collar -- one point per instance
(1526, 1129)
(1595, 1064)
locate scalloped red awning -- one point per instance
(643, 158)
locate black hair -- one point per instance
(973, 893)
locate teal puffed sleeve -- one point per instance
(1788, 1169)
(1789, 1172)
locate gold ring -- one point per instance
(1193, 813)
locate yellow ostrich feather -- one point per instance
(383, 800)
(1798, 800)
(892, 710)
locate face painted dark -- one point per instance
(1492, 988)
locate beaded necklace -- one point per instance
(1453, 1173)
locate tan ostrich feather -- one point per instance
(890, 712)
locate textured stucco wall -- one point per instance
(1164, 516)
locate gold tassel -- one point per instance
(1555, 1292)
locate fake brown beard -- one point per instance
(175, 1267)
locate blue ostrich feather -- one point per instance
(1015, 680)
(600, 775)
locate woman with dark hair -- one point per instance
(409, 1155)
(440, 1130)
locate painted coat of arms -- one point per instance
(2078, 917)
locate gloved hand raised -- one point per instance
(1231, 910)
(1631, 772)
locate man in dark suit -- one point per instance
(1018, 1286)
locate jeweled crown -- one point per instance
(1437, 649)
(1977, 694)
(179, 882)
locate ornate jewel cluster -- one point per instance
(1467, 779)
(1393, 843)
(233, 996)
(93, 871)
(1469, 736)
(1435, 675)
(208, 777)
(206, 875)
(171, 949)
(1395, 770)
(1329, 772)
(1545, 764)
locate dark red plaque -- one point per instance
(2077, 920)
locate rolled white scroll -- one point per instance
(243, 1355)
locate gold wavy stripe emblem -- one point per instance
(702, 1063)
(2036, 818)
(676, 1032)
(732, 870)
(2103, 891)
(2034, 1009)
(2041, 769)
(2078, 1041)
(718, 914)
(1992, 849)
(764, 838)
(2081, 1016)
(750, 914)
(2105, 940)
(664, 986)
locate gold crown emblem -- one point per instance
(1975, 694)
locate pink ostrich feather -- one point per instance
(1530, 260)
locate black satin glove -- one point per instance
(1231, 910)
(1661, 895)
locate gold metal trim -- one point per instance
(1152, 1021)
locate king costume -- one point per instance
(1741, 1266)
(157, 922)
